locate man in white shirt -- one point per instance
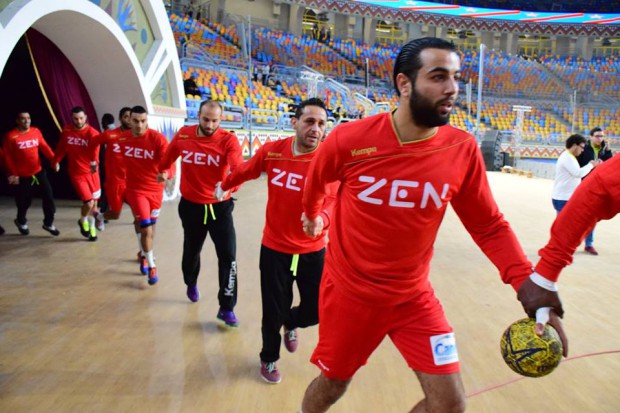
(568, 174)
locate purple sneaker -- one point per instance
(269, 372)
(228, 317)
(193, 294)
(290, 340)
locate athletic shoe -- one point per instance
(591, 251)
(269, 372)
(23, 229)
(228, 317)
(193, 294)
(84, 228)
(99, 224)
(51, 229)
(153, 278)
(144, 265)
(92, 234)
(290, 340)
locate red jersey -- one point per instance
(22, 151)
(596, 198)
(115, 171)
(392, 198)
(286, 175)
(205, 161)
(77, 144)
(142, 156)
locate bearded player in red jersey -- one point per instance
(207, 154)
(398, 171)
(143, 150)
(75, 142)
(287, 255)
(115, 173)
(22, 146)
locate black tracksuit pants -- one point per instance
(216, 220)
(276, 279)
(23, 197)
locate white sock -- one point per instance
(150, 259)
(91, 220)
(139, 236)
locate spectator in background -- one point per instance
(190, 86)
(596, 148)
(266, 70)
(568, 173)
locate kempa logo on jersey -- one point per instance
(31, 143)
(364, 151)
(288, 180)
(198, 158)
(400, 190)
(274, 154)
(77, 141)
(139, 153)
(444, 349)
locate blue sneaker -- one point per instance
(144, 265)
(153, 278)
(193, 294)
(228, 317)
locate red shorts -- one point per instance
(145, 206)
(115, 192)
(87, 186)
(349, 331)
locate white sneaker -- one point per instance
(99, 224)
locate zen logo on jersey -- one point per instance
(287, 179)
(30, 143)
(116, 148)
(139, 153)
(77, 141)
(198, 158)
(400, 191)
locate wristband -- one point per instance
(542, 282)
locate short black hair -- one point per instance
(408, 60)
(575, 139)
(77, 109)
(210, 103)
(595, 129)
(138, 109)
(309, 102)
(107, 119)
(123, 110)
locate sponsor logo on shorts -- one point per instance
(97, 194)
(155, 213)
(444, 349)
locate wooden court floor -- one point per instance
(81, 331)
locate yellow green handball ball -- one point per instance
(528, 354)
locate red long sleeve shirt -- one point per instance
(205, 161)
(115, 170)
(596, 198)
(77, 145)
(22, 151)
(286, 174)
(142, 155)
(391, 201)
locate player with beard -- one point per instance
(76, 142)
(398, 171)
(208, 154)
